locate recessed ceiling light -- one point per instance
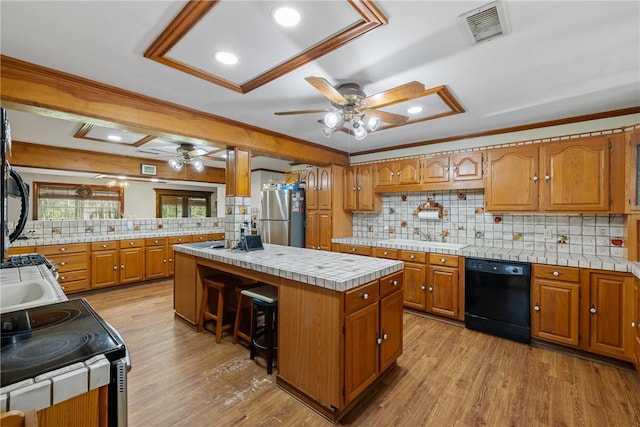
(226, 58)
(414, 110)
(286, 16)
(115, 138)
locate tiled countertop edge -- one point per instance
(520, 255)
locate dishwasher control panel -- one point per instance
(497, 267)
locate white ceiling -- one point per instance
(557, 60)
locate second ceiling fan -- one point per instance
(354, 111)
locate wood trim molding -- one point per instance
(50, 157)
(40, 90)
(85, 128)
(194, 11)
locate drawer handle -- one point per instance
(164, 260)
(423, 287)
(430, 288)
(155, 241)
(394, 282)
(386, 253)
(63, 263)
(364, 296)
(556, 273)
(379, 340)
(634, 324)
(443, 260)
(353, 249)
(104, 246)
(170, 259)
(385, 337)
(121, 266)
(115, 267)
(536, 308)
(131, 243)
(63, 249)
(63, 278)
(412, 256)
(593, 310)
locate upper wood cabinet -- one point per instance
(397, 172)
(454, 168)
(318, 190)
(635, 324)
(358, 189)
(633, 162)
(238, 173)
(567, 176)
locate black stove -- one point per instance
(41, 339)
(14, 261)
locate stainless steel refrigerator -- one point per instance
(282, 218)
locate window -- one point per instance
(182, 204)
(55, 201)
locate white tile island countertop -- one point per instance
(330, 270)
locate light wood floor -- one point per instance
(447, 376)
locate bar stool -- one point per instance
(264, 337)
(221, 284)
(244, 304)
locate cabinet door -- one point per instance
(633, 160)
(361, 350)
(311, 233)
(324, 230)
(435, 169)
(155, 262)
(350, 189)
(467, 166)
(414, 285)
(311, 190)
(608, 313)
(390, 329)
(575, 175)
(512, 179)
(365, 196)
(407, 171)
(442, 295)
(324, 188)
(104, 268)
(555, 316)
(635, 324)
(131, 265)
(186, 294)
(384, 174)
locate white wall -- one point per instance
(258, 178)
(139, 197)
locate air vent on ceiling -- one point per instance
(485, 23)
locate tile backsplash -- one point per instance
(465, 221)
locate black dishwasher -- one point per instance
(497, 298)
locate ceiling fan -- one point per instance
(188, 154)
(355, 110)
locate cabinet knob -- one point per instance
(170, 259)
(443, 260)
(455, 168)
(155, 241)
(547, 177)
(164, 260)
(63, 278)
(394, 282)
(353, 249)
(556, 273)
(63, 263)
(430, 288)
(535, 178)
(592, 310)
(412, 256)
(634, 324)
(379, 340)
(386, 253)
(63, 249)
(104, 246)
(115, 267)
(385, 337)
(130, 243)
(536, 307)
(423, 287)
(358, 188)
(365, 296)
(122, 266)
(354, 188)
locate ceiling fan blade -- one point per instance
(325, 88)
(392, 118)
(285, 113)
(398, 94)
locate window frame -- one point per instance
(185, 195)
(37, 186)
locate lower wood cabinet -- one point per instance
(635, 325)
(155, 258)
(117, 262)
(415, 277)
(443, 286)
(73, 263)
(187, 295)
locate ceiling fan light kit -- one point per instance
(187, 154)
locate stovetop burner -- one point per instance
(41, 339)
(14, 261)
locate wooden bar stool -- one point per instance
(244, 304)
(264, 337)
(221, 284)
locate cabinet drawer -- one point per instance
(391, 283)
(72, 276)
(156, 241)
(413, 256)
(104, 246)
(217, 236)
(355, 249)
(75, 286)
(131, 243)
(554, 272)
(177, 240)
(440, 259)
(361, 296)
(70, 262)
(201, 237)
(386, 253)
(62, 249)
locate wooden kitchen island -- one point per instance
(339, 315)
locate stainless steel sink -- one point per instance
(30, 293)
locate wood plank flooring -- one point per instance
(447, 376)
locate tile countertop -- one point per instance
(55, 386)
(331, 270)
(550, 258)
(89, 237)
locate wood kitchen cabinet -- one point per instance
(132, 261)
(566, 176)
(608, 329)
(355, 249)
(155, 258)
(635, 324)
(415, 276)
(358, 190)
(443, 286)
(177, 240)
(73, 262)
(238, 173)
(187, 295)
(117, 262)
(452, 170)
(397, 172)
(555, 301)
(325, 218)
